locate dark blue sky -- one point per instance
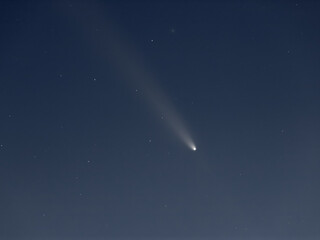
(84, 154)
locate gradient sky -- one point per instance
(84, 155)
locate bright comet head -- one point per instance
(194, 148)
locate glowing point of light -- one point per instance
(194, 148)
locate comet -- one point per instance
(110, 44)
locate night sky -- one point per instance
(94, 95)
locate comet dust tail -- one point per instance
(131, 65)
